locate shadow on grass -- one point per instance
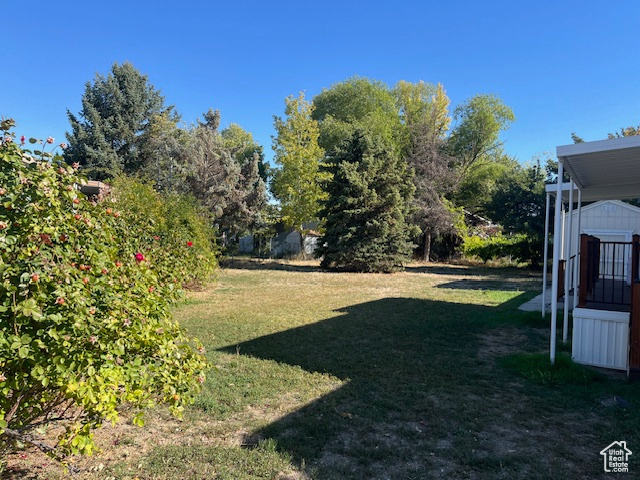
(258, 264)
(473, 284)
(416, 384)
(473, 270)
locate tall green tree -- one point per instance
(107, 136)
(368, 207)
(297, 178)
(518, 205)
(475, 145)
(163, 151)
(244, 148)
(357, 103)
(478, 125)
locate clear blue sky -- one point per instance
(562, 66)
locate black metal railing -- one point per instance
(605, 271)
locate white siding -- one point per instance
(601, 338)
(617, 219)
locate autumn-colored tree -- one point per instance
(297, 178)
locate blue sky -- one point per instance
(561, 66)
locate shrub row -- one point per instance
(85, 291)
(520, 248)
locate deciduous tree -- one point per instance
(297, 178)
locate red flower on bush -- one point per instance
(189, 244)
(22, 139)
(139, 257)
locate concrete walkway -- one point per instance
(535, 304)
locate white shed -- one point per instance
(605, 271)
(609, 220)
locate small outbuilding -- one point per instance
(596, 252)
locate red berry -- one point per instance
(35, 277)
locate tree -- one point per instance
(425, 107)
(424, 111)
(356, 103)
(475, 144)
(213, 174)
(163, 150)
(107, 136)
(625, 132)
(243, 148)
(223, 173)
(368, 208)
(433, 178)
(476, 136)
(296, 181)
(518, 205)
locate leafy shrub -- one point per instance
(520, 247)
(85, 324)
(171, 229)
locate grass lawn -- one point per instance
(413, 375)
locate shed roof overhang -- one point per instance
(604, 170)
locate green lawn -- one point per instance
(405, 376)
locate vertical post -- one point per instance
(585, 270)
(634, 328)
(568, 273)
(554, 268)
(564, 228)
(545, 260)
(576, 272)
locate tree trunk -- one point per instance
(302, 252)
(427, 247)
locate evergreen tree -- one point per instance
(367, 209)
(107, 137)
(224, 175)
(213, 174)
(163, 153)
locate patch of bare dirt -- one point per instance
(500, 342)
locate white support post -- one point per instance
(576, 271)
(568, 273)
(554, 268)
(564, 228)
(546, 255)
